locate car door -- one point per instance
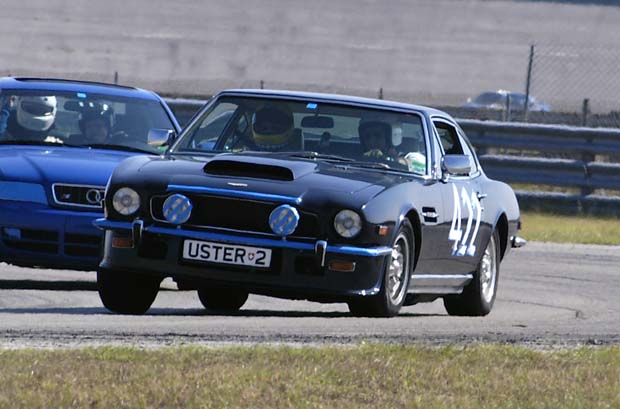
(460, 237)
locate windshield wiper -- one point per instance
(117, 147)
(372, 165)
(33, 142)
(381, 165)
(321, 156)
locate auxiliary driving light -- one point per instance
(177, 209)
(283, 220)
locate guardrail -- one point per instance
(582, 173)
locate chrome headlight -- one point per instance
(126, 201)
(348, 223)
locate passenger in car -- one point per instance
(28, 118)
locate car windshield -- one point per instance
(490, 98)
(372, 138)
(79, 119)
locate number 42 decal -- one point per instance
(464, 242)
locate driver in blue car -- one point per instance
(95, 125)
(28, 118)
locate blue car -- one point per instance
(59, 143)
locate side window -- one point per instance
(449, 138)
(472, 159)
(453, 144)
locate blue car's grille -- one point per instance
(88, 197)
(37, 241)
(49, 242)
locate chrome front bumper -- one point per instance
(517, 242)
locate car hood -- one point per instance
(298, 178)
(58, 164)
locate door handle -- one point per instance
(481, 196)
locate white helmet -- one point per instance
(36, 113)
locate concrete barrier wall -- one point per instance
(428, 51)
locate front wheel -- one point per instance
(395, 282)
(222, 299)
(124, 293)
(478, 296)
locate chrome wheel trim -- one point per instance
(398, 269)
(488, 271)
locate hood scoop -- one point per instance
(235, 168)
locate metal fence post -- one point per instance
(116, 77)
(381, 93)
(587, 157)
(508, 107)
(528, 83)
(585, 110)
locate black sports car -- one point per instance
(311, 196)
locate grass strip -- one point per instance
(365, 376)
(570, 229)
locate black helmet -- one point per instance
(95, 112)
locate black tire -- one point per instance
(478, 296)
(125, 293)
(223, 299)
(395, 279)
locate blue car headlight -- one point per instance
(23, 192)
(348, 223)
(126, 201)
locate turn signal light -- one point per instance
(122, 242)
(382, 230)
(341, 265)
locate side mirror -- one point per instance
(456, 164)
(160, 137)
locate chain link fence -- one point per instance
(567, 84)
(567, 76)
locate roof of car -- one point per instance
(335, 98)
(67, 85)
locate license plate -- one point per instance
(226, 253)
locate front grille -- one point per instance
(49, 242)
(38, 241)
(89, 197)
(236, 214)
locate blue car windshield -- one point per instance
(309, 129)
(79, 119)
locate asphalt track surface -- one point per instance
(427, 51)
(550, 295)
